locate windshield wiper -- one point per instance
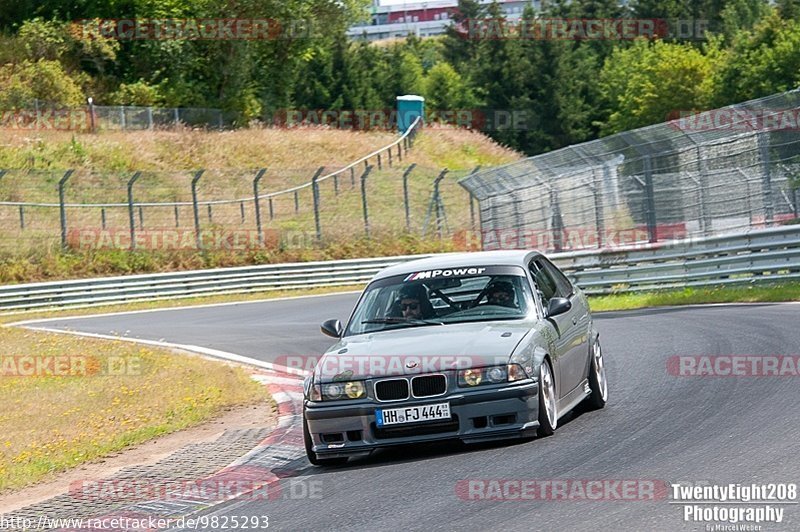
(399, 319)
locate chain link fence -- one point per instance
(216, 209)
(378, 196)
(717, 172)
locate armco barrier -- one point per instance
(755, 257)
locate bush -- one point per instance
(44, 79)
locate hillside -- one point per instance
(104, 162)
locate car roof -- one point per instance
(515, 257)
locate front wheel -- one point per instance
(597, 379)
(312, 456)
(548, 416)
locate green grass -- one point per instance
(695, 296)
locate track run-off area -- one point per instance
(613, 469)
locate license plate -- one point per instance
(412, 414)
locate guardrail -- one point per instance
(755, 257)
(103, 291)
(750, 257)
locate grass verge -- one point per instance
(88, 398)
(696, 296)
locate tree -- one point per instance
(649, 82)
(761, 61)
(460, 41)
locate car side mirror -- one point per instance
(558, 305)
(332, 328)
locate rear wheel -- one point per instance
(548, 415)
(597, 379)
(312, 456)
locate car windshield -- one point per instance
(440, 297)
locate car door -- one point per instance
(575, 332)
(559, 325)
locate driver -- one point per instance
(413, 302)
(501, 293)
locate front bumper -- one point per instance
(477, 415)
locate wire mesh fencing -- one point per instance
(718, 172)
(217, 210)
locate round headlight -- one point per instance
(333, 391)
(354, 390)
(473, 377)
(496, 375)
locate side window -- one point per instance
(563, 286)
(544, 283)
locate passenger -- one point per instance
(501, 293)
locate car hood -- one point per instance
(424, 349)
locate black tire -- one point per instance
(312, 456)
(548, 401)
(597, 379)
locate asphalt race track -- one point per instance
(657, 426)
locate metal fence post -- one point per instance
(103, 218)
(21, 217)
(650, 200)
(594, 186)
(177, 220)
(556, 223)
(435, 206)
(141, 218)
(766, 184)
(315, 196)
(241, 210)
(210, 215)
(296, 202)
(399, 153)
(131, 219)
(195, 208)
(364, 198)
(406, 204)
(352, 177)
(62, 207)
(257, 205)
(335, 184)
(749, 198)
(271, 211)
(472, 199)
(380, 166)
(389, 154)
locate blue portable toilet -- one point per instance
(409, 107)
